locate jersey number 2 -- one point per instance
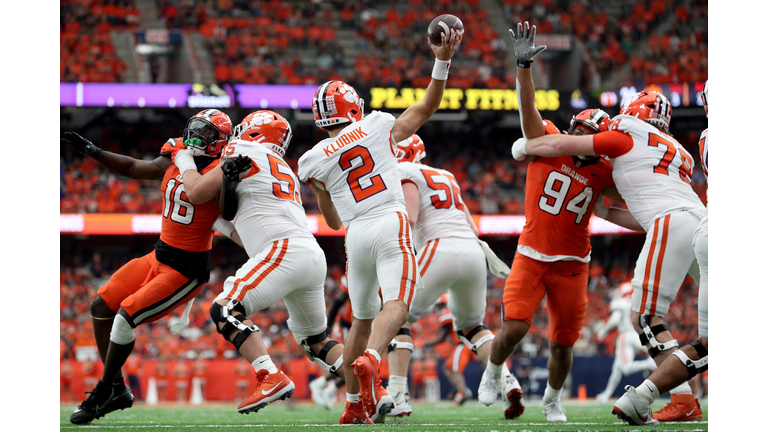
(556, 188)
(353, 178)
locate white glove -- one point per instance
(518, 149)
(183, 319)
(184, 161)
(497, 266)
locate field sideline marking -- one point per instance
(338, 425)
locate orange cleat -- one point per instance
(269, 388)
(354, 413)
(376, 400)
(682, 407)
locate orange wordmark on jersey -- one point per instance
(185, 226)
(344, 140)
(559, 195)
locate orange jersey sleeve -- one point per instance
(612, 143)
(559, 195)
(186, 226)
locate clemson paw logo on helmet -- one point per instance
(350, 95)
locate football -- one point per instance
(443, 24)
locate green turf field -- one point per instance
(304, 416)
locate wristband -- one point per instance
(518, 149)
(95, 152)
(224, 227)
(524, 64)
(440, 70)
(184, 161)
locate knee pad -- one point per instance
(396, 344)
(694, 366)
(232, 316)
(648, 336)
(467, 340)
(122, 333)
(321, 357)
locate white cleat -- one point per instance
(513, 398)
(329, 394)
(553, 410)
(402, 404)
(602, 398)
(316, 387)
(490, 385)
(633, 409)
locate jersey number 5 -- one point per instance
(556, 188)
(353, 178)
(451, 190)
(284, 179)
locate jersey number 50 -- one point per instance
(451, 190)
(353, 178)
(556, 188)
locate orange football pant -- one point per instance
(565, 286)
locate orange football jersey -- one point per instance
(185, 226)
(559, 194)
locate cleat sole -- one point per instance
(515, 397)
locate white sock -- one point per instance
(264, 362)
(494, 369)
(683, 388)
(551, 394)
(398, 381)
(375, 354)
(354, 398)
(505, 370)
(648, 391)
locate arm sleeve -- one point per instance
(612, 143)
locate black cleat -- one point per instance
(94, 406)
(122, 399)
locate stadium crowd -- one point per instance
(281, 42)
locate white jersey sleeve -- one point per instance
(269, 201)
(654, 177)
(704, 151)
(441, 208)
(358, 168)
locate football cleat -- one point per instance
(513, 398)
(682, 407)
(461, 397)
(376, 400)
(490, 384)
(122, 399)
(402, 404)
(269, 388)
(94, 406)
(316, 387)
(553, 410)
(633, 409)
(329, 394)
(602, 399)
(354, 413)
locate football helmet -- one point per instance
(595, 120)
(651, 107)
(207, 132)
(704, 98)
(624, 290)
(410, 149)
(267, 128)
(336, 102)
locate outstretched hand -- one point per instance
(448, 46)
(80, 144)
(232, 168)
(523, 40)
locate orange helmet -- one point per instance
(267, 128)
(624, 290)
(410, 149)
(336, 102)
(595, 120)
(651, 107)
(207, 132)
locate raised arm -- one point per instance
(525, 51)
(553, 146)
(326, 207)
(416, 115)
(199, 188)
(117, 163)
(412, 202)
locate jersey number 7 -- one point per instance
(686, 161)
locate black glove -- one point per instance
(80, 144)
(232, 168)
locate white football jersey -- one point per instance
(269, 202)
(622, 307)
(654, 177)
(704, 152)
(441, 209)
(358, 168)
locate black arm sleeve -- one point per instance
(228, 205)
